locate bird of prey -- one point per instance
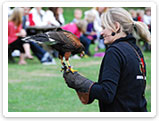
(61, 40)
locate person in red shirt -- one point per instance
(15, 33)
(76, 28)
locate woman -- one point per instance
(15, 33)
(122, 77)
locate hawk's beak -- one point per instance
(82, 54)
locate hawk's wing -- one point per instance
(65, 38)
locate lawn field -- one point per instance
(39, 88)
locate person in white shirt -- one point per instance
(38, 16)
(147, 17)
(54, 16)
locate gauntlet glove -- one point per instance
(81, 84)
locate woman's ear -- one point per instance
(117, 26)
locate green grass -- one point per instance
(38, 88)
(35, 87)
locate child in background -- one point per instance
(97, 25)
(77, 15)
(140, 15)
(90, 33)
(133, 14)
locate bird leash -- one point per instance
(142, 66)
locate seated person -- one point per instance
(38, 16)
(43, 56)
(54, 17)
(90, 33)
(15, 33)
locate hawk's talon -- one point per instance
(64, 68)
(63, 64)
(72, 70)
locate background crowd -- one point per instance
(86, 25)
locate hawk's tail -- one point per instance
(39, 38)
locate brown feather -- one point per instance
(74, 39)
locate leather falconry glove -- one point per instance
(81, 84)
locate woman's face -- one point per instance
(106, 33)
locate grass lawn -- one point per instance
(39, 88)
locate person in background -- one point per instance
(147, 21)
(38, 16)
(77, 15)
(147, 17)
(76, 28)
(140, 15)
(15, 33)
(122, 76)
(27, 18)
(43, 56)
(54, 16)
(90, 35)
(133, 14)
(52, 20)
(97, 25)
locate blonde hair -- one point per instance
(89, 17)
(82, 25)
(16, 16)
(127, 24)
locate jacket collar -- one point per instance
(129, 38)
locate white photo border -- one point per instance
(79, 4)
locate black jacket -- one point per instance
(120, 87)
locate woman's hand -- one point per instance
(22, 33)
(81, 84)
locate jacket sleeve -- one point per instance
(105, 89)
